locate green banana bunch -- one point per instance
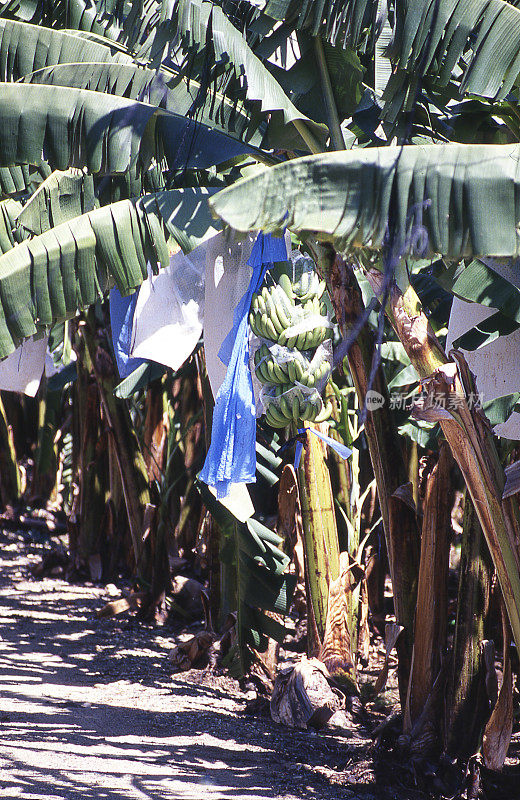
(308, 286)
(269, 370)
(286, 404)
(273, 315)
(297, 370)
(276, 312)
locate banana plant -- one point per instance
(362, 187)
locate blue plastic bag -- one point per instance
(231, 456)
(121, 321)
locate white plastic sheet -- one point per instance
(169, 313)
(22, 370)
(496, 366)
(227, 279)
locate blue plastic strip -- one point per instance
(298, 452)
(339, 448)
(121, 320)
(231, 457)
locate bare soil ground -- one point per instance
(89, 709)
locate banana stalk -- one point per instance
(328, 576)
(467, 430)
(467, 705)
(399, 520)
(132, 467)
(319, 528)
(9, 472)
(432, 608)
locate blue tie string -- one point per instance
(339, 448)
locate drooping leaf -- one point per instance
(436, 37)
(462, 198)
(486, 332)
(50, 277)
(73, 127)
(10, 233)
(160, 88)
(253, 552)
(25, 48)
(481, 284)
(339, 22)
(500, 409)
(84, 15)
(140, 378)
(202, 25)
(22, 180)
(62, 196)
(405, 377)
(186, 215)
(67, 58)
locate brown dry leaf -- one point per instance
(188, 654)
(392, 634)
(364, 630)
(116, 607)
(302, 696)
(497, 735)
(405, 494)
(336, 650)
(290, 528)
(288, 503)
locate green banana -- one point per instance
(298, 371)
(292, 371)
(307, 411)
(272, 315)
(300, 341)
(279, 308)
(321, 288)
(286, 304)
(281, 377)
(253, 322)
(285, 409)
(261, 377)
(277, 415)
(295, 407)
(324, 413)
(285, 283)
(270, 331)
(309, 340)
(274, 423)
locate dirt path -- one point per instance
(89, 710)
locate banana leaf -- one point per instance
(10, 233)
(455, 200)
(439, 37)
(74, 127)
(337, 22)
(203, 26)
(156, 87)
(66, 58)
(50, 277)
(253, 551)
(20, 181)
(85, 15)
(61, 197)
(25, 48)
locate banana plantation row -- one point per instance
(259, 326)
